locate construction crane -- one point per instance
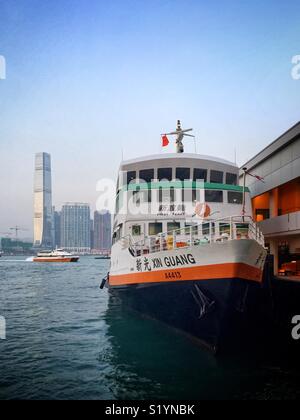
(17, 229)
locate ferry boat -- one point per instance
(186, 250)
(57, 256)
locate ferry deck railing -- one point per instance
(205, 233)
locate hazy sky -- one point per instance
(88, 77)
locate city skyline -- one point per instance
(87, 80)
(47, 218)
(98, 232)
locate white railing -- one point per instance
(205, 233)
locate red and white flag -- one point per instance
(259, 178)
(165, 141)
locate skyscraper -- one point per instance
(43, 217)
(102, 231)
(92, 233)
(57, 228)
(76, 227)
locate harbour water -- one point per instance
(66, 339)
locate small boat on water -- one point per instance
(57, 256)
(102, 257)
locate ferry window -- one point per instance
(136, 230)
(167, 195)
(206, 229)
(173, 226)
(198, 195)
(187, 195)
(165, 174)
(136, 197)
(117, 234)
(118, 204)
(224, 229)
(147, 175)
(235, 197)
(118, 185)
(183, 174)
(147, 196)
(155, 229)
(188, 229)
(212, 196)
(131, 176)
(200, 175)
(231, 179)
(216, 177)
(141, 196)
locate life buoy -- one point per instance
(202, 210)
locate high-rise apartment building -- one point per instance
(102, 231)
(57, 228)
(76, 227)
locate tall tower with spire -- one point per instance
(43, 211)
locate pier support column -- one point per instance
(274, 251)
(274, 198)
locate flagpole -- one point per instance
(244, 194)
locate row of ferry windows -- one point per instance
(157, 228)
(182, 174)
(169, 196)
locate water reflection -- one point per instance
(150, 361)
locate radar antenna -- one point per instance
(180, 134)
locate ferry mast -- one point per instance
(180, 134)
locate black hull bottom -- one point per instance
(221, 314)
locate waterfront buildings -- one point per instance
(13, 247)
(276, 200)
(43, 216)
(102, 231)
(75, 227)
(57, 228)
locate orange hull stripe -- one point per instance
(207, 272)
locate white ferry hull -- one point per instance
(232, 259)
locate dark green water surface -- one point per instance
(67, 340)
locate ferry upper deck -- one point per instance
(161, 192)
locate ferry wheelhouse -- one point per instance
(185, 248)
